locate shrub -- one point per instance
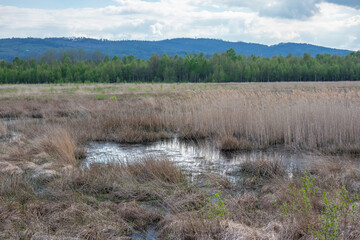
(336, 215)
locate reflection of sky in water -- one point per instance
(194, 158)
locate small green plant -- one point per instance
(9, 90)
(101, 96)
(336, 214)
(300, 199)
(215, 207)
(73, 90)
(207, 183)
(131, 89)
(98, 89)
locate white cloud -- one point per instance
(323, 23)
(156, 28)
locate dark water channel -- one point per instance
(193, 157)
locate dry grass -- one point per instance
(143, 180)
(83, 204)
(215, 180)
(263, 167)
(302, 116)
(229, 143)
(147, 169)
(2, 130)
(102, 201)
(193, 226)
(335, 173)
(190, 226)
(247, 210)
(110, 201)
(59, 144)
(25, 214)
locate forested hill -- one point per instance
(35, 47)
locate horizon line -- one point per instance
(169, 39)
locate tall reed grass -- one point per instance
(313, 118)
(325, 119)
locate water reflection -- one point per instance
(193, 157)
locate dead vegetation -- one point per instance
(2, 130)
(93, 203)
(263, 167)
(46, 193)
(58, 143)
(308, 117)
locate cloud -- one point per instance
(326, 24)
(291, 9)
(156, 28)
(349, 3)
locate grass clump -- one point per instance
(263, 167)
(146, 180)
(59, 144)
(149, 169)
(190, 225)
(229, 143)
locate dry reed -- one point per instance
(103, 200)
(263, 167)
(313, 118)
(59, 144)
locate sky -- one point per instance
(330, 23)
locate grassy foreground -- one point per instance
(46, 194)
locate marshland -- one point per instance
(180, 161)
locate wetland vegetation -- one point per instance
(51, 187)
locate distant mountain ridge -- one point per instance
(35, 47)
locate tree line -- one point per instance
(75, 67)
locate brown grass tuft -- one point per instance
(16, 186)
(263, 167)
(134, 213)
(147, 179)
(152, 169)
(216, 180)
(59, 144)
(229, 143)
(190, 226)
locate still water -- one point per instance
(193, 157)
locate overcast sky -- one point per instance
(330, 23)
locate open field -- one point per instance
(47, 193)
